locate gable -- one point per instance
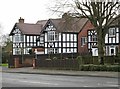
(27, 29)
(49, 26)
(15, 30)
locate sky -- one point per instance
(30, 10)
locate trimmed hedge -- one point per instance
(94, 60)
(83, 63)
(90, 67)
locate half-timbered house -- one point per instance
(83, 38)
(61, 35)
(112, 40)
(24, 37)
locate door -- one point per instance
(112, 50)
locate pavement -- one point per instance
(30, 70)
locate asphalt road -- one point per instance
(38, 80)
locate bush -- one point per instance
(91, 67)
(79, 59)
(5, 57)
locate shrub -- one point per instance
(79, 59)
(92, 67)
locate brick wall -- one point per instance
(83, 50)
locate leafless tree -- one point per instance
(101, 13)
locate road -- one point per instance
(37, 80)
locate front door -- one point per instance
(112, 50)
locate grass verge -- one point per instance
(4, 64)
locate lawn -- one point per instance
(4, 64)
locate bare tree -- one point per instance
(101, 14)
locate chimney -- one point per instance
(64, 15)
(21, 20)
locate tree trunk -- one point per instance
(101, 42)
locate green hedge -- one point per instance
(90, 67)
(94, 60)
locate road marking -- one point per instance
(112, 82)
(87, 86)
(113, 85)
(37, 82)
(31, 81)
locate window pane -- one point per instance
(112, 31)
(75, 37)
(27, 38)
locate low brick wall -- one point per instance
(24, 61)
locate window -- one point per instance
(51, 50)
(31, 38)
(28, 39)
(68, 37)
(18, 38)
(83, 41)
(94, 38)
(56, 50)
(75, 37)
(41, 39)
(17, 51)
(64, 37)
(112, 32)
(56, 37)
(34, 38)
(75, 44)
(52, 36)
(71, 39)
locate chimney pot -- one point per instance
(21, 20)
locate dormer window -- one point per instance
(112, 32)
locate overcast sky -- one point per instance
(30, 10)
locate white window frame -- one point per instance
(112, 32)
(83, 41)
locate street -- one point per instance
(39, 80)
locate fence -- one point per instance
(68, 60)
(59, 64)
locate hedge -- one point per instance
(91, 67)
(94, 60)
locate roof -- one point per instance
(62, 25)
(42, 22)
(115, 22)
(30, 29)
(69, 25)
